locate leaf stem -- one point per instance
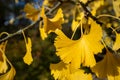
(107, 15)
(20, 31)
(75, 30)
(81, 27)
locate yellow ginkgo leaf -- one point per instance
(59, 71)
(31, 12)
(116, 45)
(3, 62)
(47, 3)
(50, 25)
(62, 71)
(9, 75)
(116, 7)
(80, 51)
(74, 25)
(28, 56)
(42, 31)
(78, 16)
(109, 67)
(3, 65)
(80, 74)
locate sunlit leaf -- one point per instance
(80, 74)
(84, 1)
(109, 67)
(116, 45)
(9, 75)
(116, 7)
(59, 71)
(80, 51)
(50, 25)
(42, 31)
(62, 71)
(74, 25)
(3, 65)
(47, 3)
(31, 12)
(3, 62)
(78, 16)
(28, 56)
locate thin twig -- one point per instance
(54, 8)
(89, 14)
(20, 31)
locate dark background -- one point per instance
(43, 52)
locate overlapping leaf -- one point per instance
(50, 25)
(80, 51)
(84, 1)
(31, 12)
(109, 67)
(62, 71)
(116, 7)
(3, 65)
(9, 75)
(78, 16)
(42, 31)
(80, 74)
(116, 45)
(3, 62)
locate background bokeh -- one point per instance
(43, 51)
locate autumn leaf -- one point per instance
(3, 62)
(47, 3)
(116, 7)
(116, 45)
(80, 74)
(59, 71)
(80, 51)
(42, 31)
(109, 67)
(84, 1)
(51, 24)
(9, 75)
(3, 65)
(74, 25)
(28, 56)
(78, 16)
(31, 12)
(62, 71)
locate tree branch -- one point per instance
(89, 14)
(20, 31)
